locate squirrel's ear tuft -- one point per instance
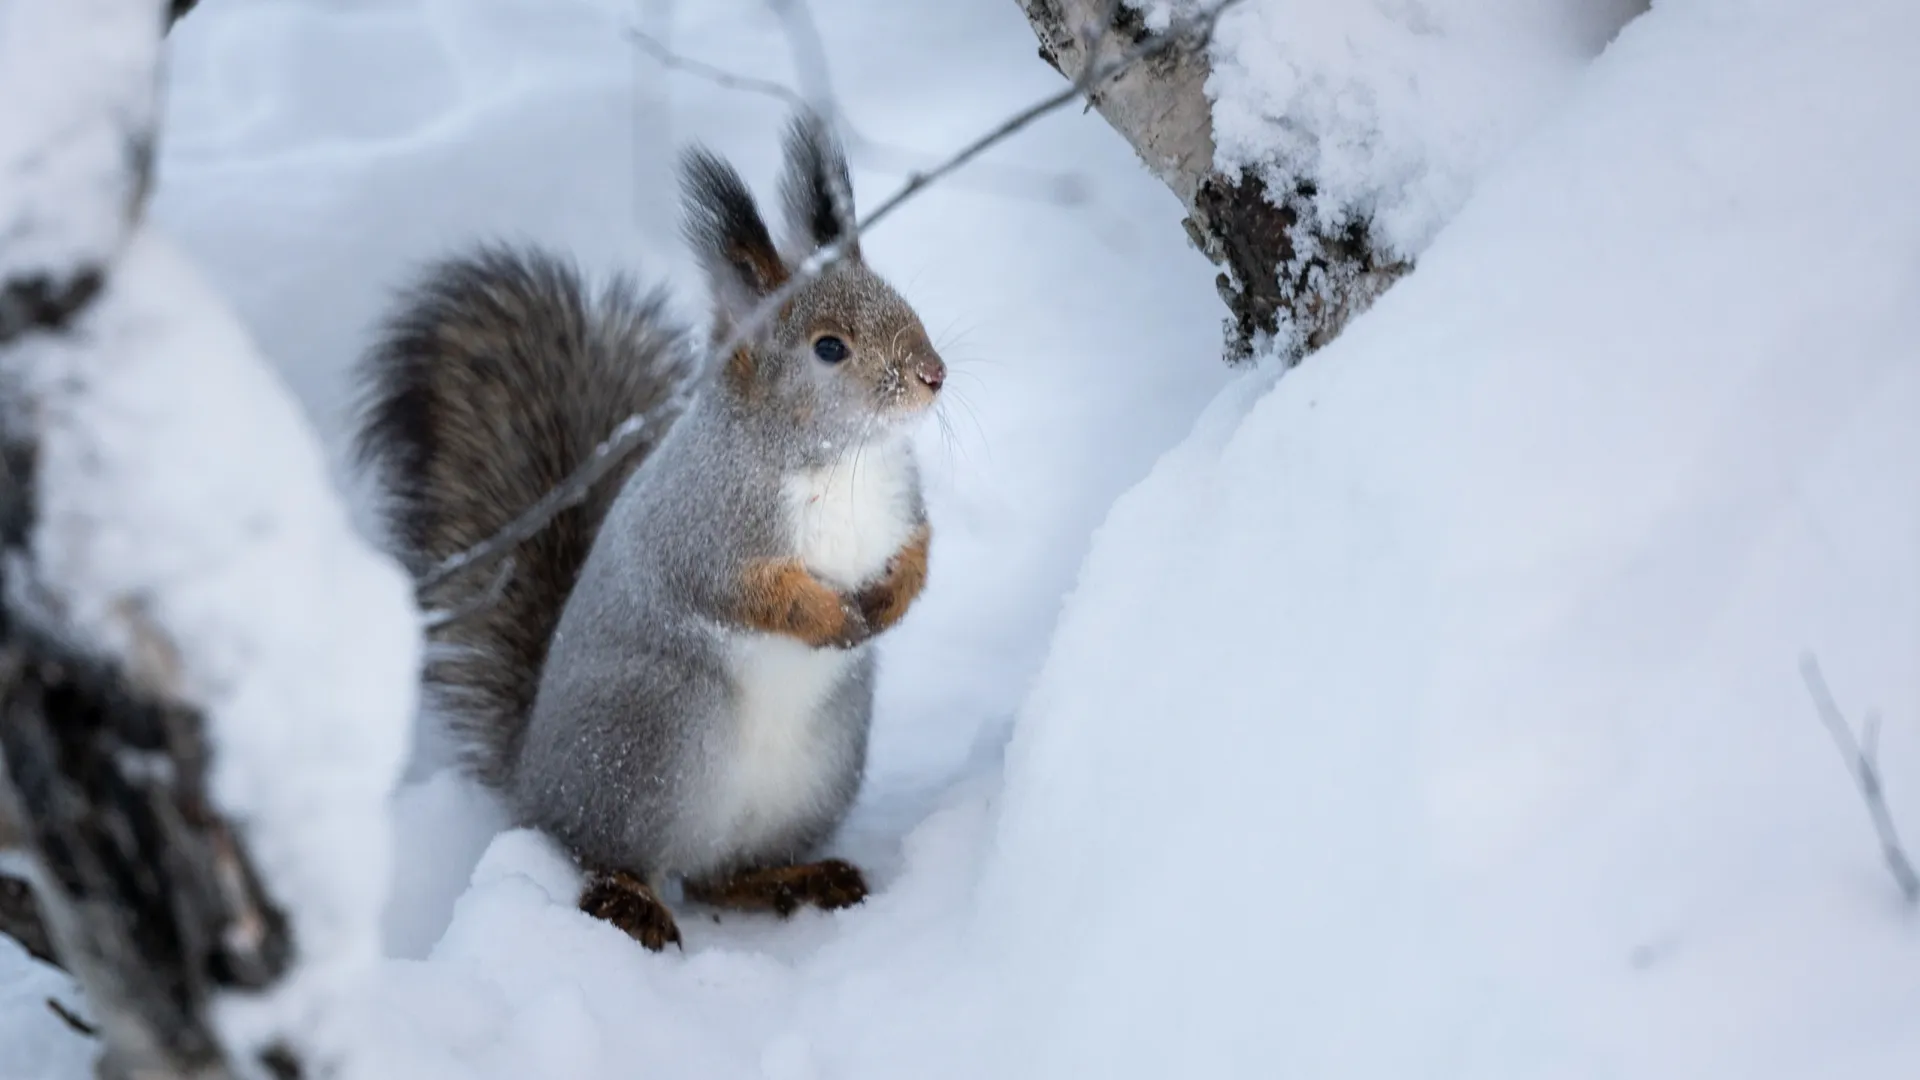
(725, 229)
(816, 188)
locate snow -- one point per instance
(35, 1044)
(1390, 108)
(90, 67)
(186, 525)
(1489, 736)
(1433, 710)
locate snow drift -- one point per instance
(1438, 712)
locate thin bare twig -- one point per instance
(1053, 188)
(718, 76)
(1190, 31)
(487, 597)
(1862, 760)
(72, 1019)
(570, 492)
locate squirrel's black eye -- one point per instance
(830, 349)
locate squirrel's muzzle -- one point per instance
(931, 372)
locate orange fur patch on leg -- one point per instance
(887, 600)
(779, 596)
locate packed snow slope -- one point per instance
(1446, 696)
(1434, 710)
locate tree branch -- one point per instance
(605, 457)
(1054, 188)
(1861, 758)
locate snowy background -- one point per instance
(1432, 711)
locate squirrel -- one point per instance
(674, 678)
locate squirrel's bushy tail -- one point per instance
(496, 375)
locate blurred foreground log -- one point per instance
(150, 899)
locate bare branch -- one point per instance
(67, 1016)
(1054, 188)
(610, 453)
(718, 76)
(1862, 760)
(486, 598)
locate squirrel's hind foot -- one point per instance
(827, 884)
(631, 904)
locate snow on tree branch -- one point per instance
(1862, 758)
(74, 166)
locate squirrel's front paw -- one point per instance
(855, 630)
(781, 597)
(884, 602)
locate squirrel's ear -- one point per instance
(725, 229)
(816, 187)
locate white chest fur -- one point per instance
(785, 756)
(850, 517)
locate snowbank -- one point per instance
(1439, 712)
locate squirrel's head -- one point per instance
(838, 349)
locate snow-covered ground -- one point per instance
(1432, 711)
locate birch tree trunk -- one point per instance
(1287, 284)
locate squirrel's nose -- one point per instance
(931, 371)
